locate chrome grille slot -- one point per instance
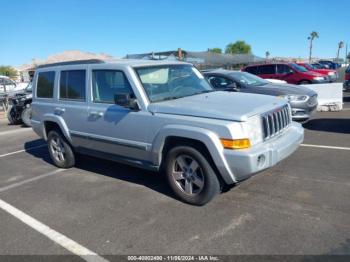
(274, 122)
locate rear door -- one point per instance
(267, 71)
(72, 103)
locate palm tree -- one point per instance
(267, 55)
(312, 36)
(340, 46)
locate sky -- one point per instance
(39, 28)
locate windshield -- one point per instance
(168, 82)
(298, 67)
(248, 79)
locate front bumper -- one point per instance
(244, 163)
(323, 81)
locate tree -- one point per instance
(239, 47)
(267, 55)
(340, 46)
(312, 36)
(8, 71)
(217, 50)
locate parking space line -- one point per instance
(52, 234)
(11, 132)
(21, 151)
(2, 189)
(327, 147)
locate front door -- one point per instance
(113, 128)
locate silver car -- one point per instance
(302, 100)
(162, 116)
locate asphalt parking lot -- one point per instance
(301, 206)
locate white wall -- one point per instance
(330, 96)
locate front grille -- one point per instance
(275, 121)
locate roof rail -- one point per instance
(76, 62)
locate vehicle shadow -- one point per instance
(335, 125)
(153, 180)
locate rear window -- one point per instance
(72, 85)
(45, 84)
(267, 70)
(252, 69)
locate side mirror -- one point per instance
(125, 100)
(233, 87)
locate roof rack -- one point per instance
(76, 62)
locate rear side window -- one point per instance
(283, 69)
(107, 83)
(72, 85)
(252, 69)
(267, 70)
(45, 84)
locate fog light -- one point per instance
(261, 161)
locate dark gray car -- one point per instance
(302, 100)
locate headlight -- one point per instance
(318, 78)
(253, 128)
(331, 73)
(296, 98)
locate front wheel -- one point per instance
(26, 115)
(12, 116)
(190, 175)
(61, 152)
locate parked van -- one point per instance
(289, 72)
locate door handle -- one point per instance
(59, 110)
(96, 113)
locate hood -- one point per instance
(219, 105)
(288, 89)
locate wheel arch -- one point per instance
(51, 122)
(200, 138)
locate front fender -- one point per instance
(207, 137)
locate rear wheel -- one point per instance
(26, 115)
(60, 150)
(190, 175)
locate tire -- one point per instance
(60, 150)
(305, 82)
(11, 116)
(26, 115)
(193, 182)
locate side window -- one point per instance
(267, 70)
(107, 83)
(253, 70)
(45, 84)
(72, 85)
(283, 69)
(219, 82)
(348, 69)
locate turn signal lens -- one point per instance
(236, 143)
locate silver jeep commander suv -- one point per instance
(161, 116)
